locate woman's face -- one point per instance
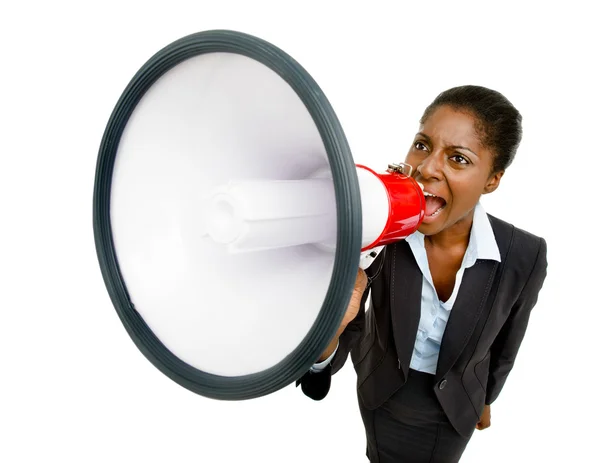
(449, 160)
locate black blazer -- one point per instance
(482, 337)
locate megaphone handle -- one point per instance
(368, 257)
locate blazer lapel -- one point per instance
(405, 302)
(470, 301)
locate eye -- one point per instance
(420, 146)
(460, 159)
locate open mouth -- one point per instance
(433, 204)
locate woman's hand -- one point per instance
(486, 419)
(353, 307)
(351, 311)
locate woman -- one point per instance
(450, 304)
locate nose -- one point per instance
(431, 167)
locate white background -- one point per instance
(74, 387)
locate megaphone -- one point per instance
(230, 218)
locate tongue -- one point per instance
(432, 204)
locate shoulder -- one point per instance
(505, 231)
(521, 247)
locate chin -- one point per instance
(429, 229)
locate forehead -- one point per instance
(448, 126)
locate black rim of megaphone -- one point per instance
(349, 222)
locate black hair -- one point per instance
(499, 122)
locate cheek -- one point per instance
(414, 159)
(466, 191)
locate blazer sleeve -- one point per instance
(316, 384)
(506, 345)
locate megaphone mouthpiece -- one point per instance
(404, 203)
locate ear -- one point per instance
(493, 182)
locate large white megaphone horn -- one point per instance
(230, 218)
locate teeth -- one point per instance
(426, 193)
(421, 185)
(437, 212)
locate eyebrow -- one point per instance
(428, 139)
